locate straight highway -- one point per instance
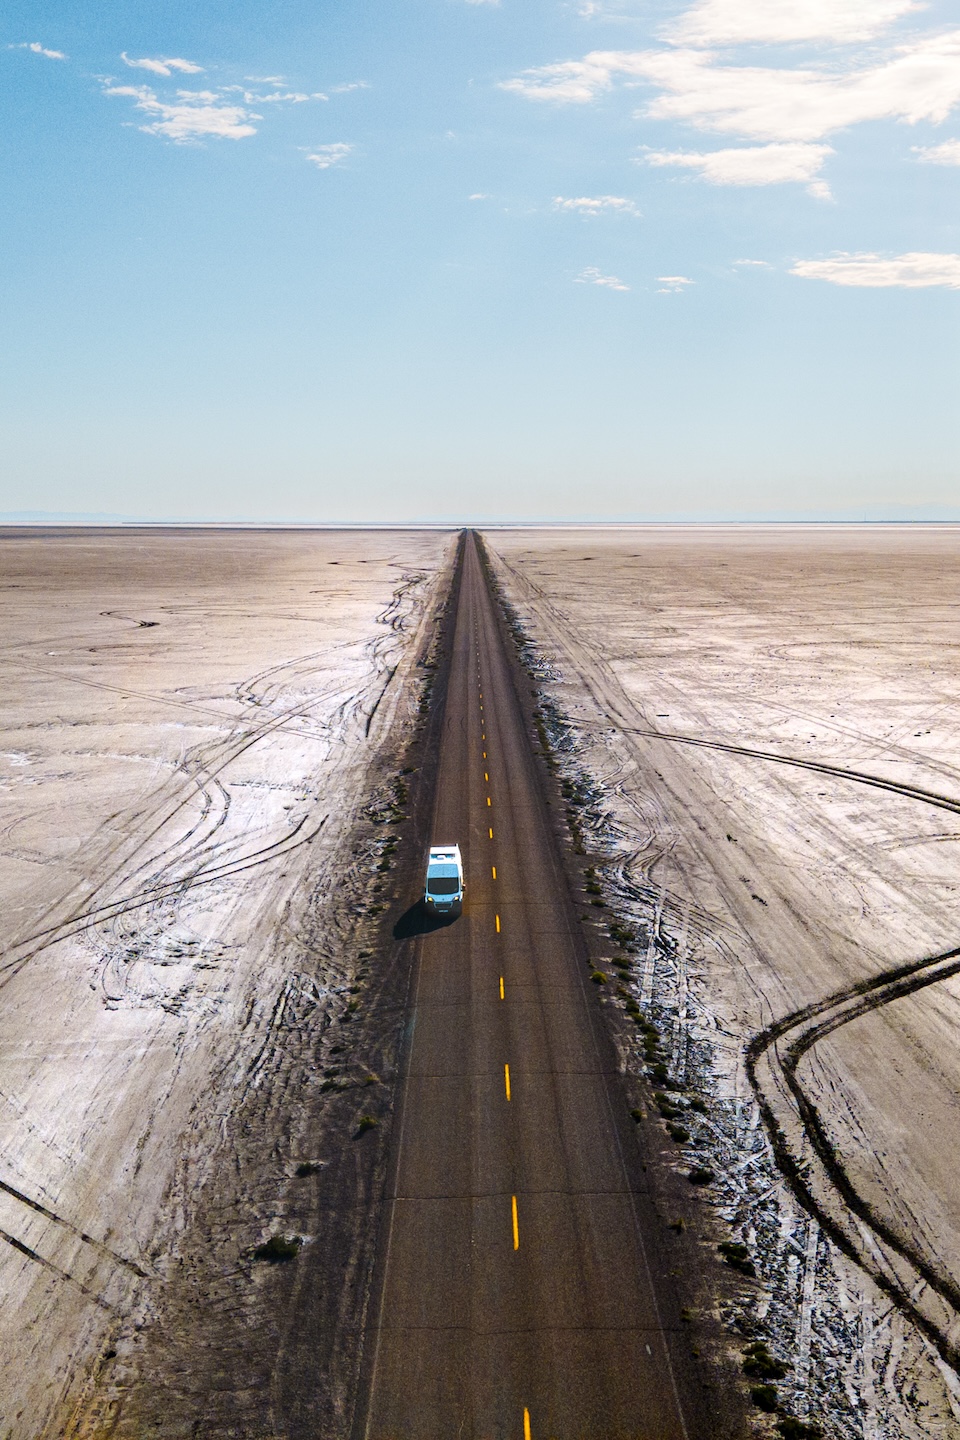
(515, 1297)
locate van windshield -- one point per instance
(437, 885)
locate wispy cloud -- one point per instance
(351, 85)
(279, 97)
(193, 115)
(478, 195)
(739, 22)
(673, 284)
(763, 264)
(596, 205)
(946, 154)
(162, 65)
(914, 271)
(753, 165)
(36, 48)
(593, 276)
(326, 156)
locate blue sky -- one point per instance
(558, 259)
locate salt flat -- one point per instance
(778, 886)
(188, 726)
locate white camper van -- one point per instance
(443, 894)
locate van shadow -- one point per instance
(418, 921)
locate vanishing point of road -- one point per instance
(516, 1297)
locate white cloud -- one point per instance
(479, 195)
(914, 271)
(919, 80)
(596, 204)
(673, 284)
(326, 156)
(194, 115)
(946, 154)
(593, 276)
(752, 165)
(37, 49)
(764, 264)
(576, 82)
(163, 65)
(739, 22)
(352, 85)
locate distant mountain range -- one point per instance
(865, 515)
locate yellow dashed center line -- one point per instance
(516, 1224)
(526, 1424)
(489, 801)
(498, 924)
(494, 869)
(485, 775)
(501, 987)
(506, 1079)
(491, 834)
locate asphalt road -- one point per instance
(516, 1298)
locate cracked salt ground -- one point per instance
(800, 638)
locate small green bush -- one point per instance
(279, 1248)
(366, 1122)
(765, 1398)
(793, 1429)
(759, 1364)
(678, 1133)
(701, 1175)
(638, 1115)
(737, 1256)
(598, 977)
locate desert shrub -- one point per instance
(278, 1249)
(765, 1398)
(793, 1429)
(759, 1364)
(678, 1133)
(737, 1256)
(598, 977)
(701, 1175)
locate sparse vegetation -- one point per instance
(701, 1175)
(678, 1133)
(365, 1123)
(598, 977)
(306, 1168)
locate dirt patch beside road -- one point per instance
(195, 723)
